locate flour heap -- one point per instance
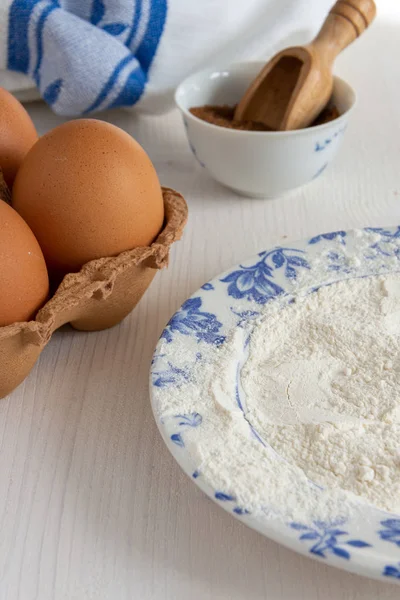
(302, 421)
(322, 386)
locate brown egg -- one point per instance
(88, 190)
(24, 283)
(17, 135)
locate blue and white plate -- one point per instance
(367, 541)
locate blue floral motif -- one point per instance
(319, 146)
(190, 320)
(329, 236)
(171, 376)
(245, 316)
(194, 152)
(255, 282)
(192, 148)
(223, 497)
(392, 571)
(386, 237)
(324, 536)
(337, 262)
(241, 511)
(177, 439)
(189, 420)
(207, 287)
(391, 533)
(385, 232)
(156, 357)
(320, 171)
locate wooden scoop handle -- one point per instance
(346, 21)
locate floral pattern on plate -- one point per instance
(368, 542)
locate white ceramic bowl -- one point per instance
(257, 163)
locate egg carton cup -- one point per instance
(99, 296)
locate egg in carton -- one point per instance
(99, 296)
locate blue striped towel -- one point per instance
(88, 55)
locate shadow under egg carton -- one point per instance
(103, 292)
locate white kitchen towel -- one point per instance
(84, 56)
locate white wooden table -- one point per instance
(92, 505)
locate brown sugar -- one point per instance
(329, 113)
(223, 116)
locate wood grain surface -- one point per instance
(92, 505)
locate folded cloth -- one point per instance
(84, 56)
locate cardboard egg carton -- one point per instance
(99, 296)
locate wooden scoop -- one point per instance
(296, 84)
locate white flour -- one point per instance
(322, 386)
(319, 387)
